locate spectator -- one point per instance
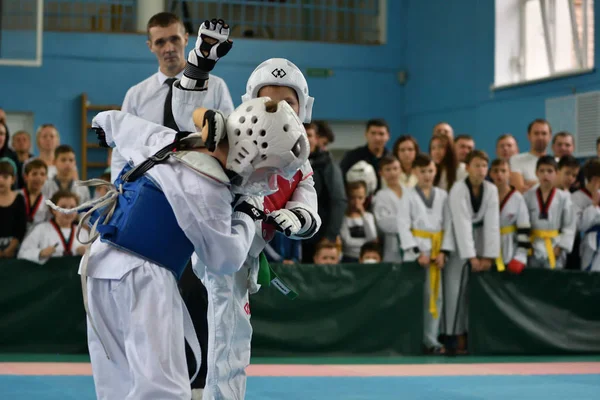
(2, 116)
(48, 139)
(370, 253)
(6, 152)
(444, 129)
(448, 169)
(283, 250)
(406, 149)
(326, 253)
(523, 165)
(64, 157)
(35, 174)
(329, 185)
(552, 216)
(463, 145)
(21, 143)
(377, 134)
(325, 135)
(57, 237)
(598, 147)
(568, 170)
(12, 211)
(358, 226)
(563, 144)
(151, 99)
(506, 147)
(389, 205)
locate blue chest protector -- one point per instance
(144, 224)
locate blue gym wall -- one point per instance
(450, 64)
(106, 65)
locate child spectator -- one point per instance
(553, 221)
(35, 174)
(568, 170)
(12, 211)
(64, 161)
(102, 190)
(57, 237)
(370, 253)
(514, 220)
(359, 225)
(327, 253)
(587, 214)
(449, 170)
(389, 207)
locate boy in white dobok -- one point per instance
(173, 202)
(428, 238)
(586, 202)
(552, 218)
(476, 224)
(292, 206)
(514, 221)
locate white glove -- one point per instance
(286, 221)
(212, 44)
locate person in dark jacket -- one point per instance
(7, 152)
(377, 134)
(329, 184)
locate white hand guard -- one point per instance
(286, 221)
(211, 45)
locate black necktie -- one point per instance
(168, 119)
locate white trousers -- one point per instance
(140, 321)
(229, 335)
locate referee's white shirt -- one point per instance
(147, 99)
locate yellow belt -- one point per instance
(505, 230)
(547, 237)
(435, 275)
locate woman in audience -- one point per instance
(359, 225)
(406, 149)
(5, 151)
(57, 237)
(12, 211)
(449, 170)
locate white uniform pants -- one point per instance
(229, 335)
(140, 321)
(431, 326)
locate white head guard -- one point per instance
(281, 72)
(363, 171)
(266, 139)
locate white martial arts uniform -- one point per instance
(514, 229)
(429, 226)
(135, 304)
(146, 100)
(476, 234)
(555, 221)
(230, 331)
(582, 200)
(37, 211)
(48, 234)
(355, 232)
(390, 214)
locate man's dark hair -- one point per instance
(162, 19)
(378, 122)
(538, 121)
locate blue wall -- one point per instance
(106, 65)
(450, 64)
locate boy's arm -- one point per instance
(523, 231)
(567, 226)
(491, 224)
(386, 213)
(32, 245)
(448, 240)
(190, 92)
(590, 218)
(462, 221)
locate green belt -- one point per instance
(268, 277)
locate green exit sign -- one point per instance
(319, 72)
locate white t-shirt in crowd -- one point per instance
(524, 163)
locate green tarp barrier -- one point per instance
(341, 310)
(537, 312)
